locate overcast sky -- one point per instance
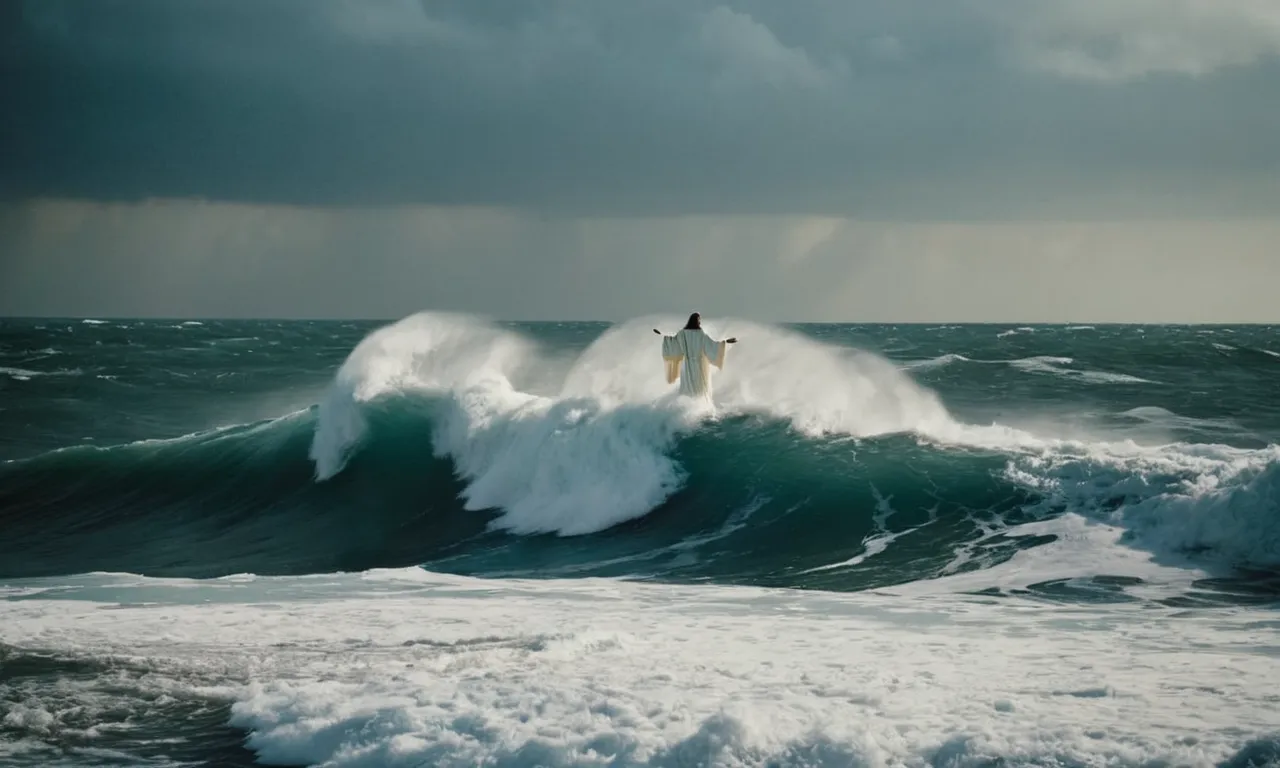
(1022, 160)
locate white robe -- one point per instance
(689, 355)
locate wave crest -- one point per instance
(592, 447)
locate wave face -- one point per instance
(558, 450)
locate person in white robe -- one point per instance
(689, 355)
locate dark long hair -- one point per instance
(695, 322)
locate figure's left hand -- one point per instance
(731, 341)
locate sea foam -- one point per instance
(407, 668)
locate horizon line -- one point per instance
(484, 316)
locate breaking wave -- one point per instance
(451, 442)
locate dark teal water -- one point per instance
(166, 448)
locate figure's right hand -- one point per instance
(655, 330)
(731, 341)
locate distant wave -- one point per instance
(1015, 332)
(1053, 365)
(1040, 364)
(937, 362)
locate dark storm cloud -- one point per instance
(601, 106)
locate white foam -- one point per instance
(564, 466)
(1214, 501)
(405, 668)
(1081, 549)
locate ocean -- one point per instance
(451, 541)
